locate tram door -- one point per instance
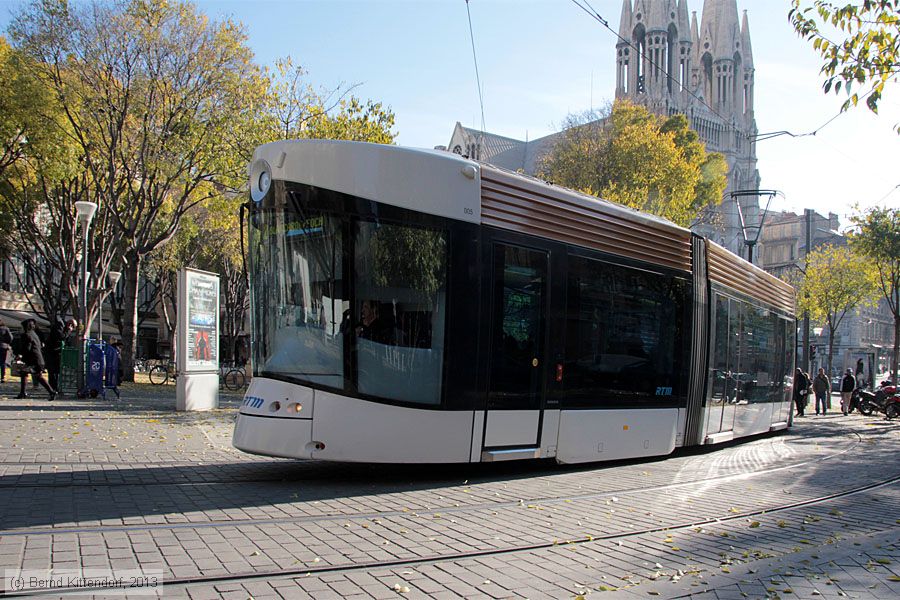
(518, 328)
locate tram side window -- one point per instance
(745, 355)
(787, 365)
(625, 336)
(722, 386)
(757, 342)
(400, 279)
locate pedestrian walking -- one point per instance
(116, 344)
(801, 390)
(33, 357)
(6, 340)
(822, 389)
(848, 384)
(54, 351)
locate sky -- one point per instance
(539, 60)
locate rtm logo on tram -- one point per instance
(253, 401)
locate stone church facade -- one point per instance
(670, 62)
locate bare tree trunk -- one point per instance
(830, 351)
(168, 302)
(130, 314)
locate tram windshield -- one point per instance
(353, 303)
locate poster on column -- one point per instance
(199, 321)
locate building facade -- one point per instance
(670, 62)
(865, 334)
(782, 246)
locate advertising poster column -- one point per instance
(197, 348)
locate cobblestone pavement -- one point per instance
(134, 485)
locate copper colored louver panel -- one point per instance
(532, 207)
(731, 271)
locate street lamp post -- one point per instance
(747, 230)
(85, 211)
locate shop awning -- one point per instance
(13, 318)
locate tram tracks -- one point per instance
(444, 557)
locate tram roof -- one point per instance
(357, 153)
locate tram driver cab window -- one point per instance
(400, 280)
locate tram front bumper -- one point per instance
(273, 436)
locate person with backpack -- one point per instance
(6, 340)
(33, 357)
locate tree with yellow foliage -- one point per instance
(631, 156)
(877, 238)
(837, 282)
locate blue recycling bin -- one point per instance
(93, 381)
(102, 370)
(111, 377)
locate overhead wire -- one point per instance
(477, 76)
(893, 189)
(773, 134)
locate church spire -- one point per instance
(657, 19)
(695, 30)
(625, 20)
(726, 29)
(684, 22)
(747, 48)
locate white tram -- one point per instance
(412, 306)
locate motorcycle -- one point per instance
(892, 407)
(869, 402)
(856, 399)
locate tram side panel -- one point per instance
(375, 432)
(750, 362)
(627, 346)
(600, 435)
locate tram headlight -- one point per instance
(275, 406)
(260, 180)
(264, 181)
(296, 407)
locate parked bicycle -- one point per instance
(160, 373)
(232, 377)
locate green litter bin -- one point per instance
(68, 370)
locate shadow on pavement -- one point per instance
(49, 498)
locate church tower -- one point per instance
(670, 64)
